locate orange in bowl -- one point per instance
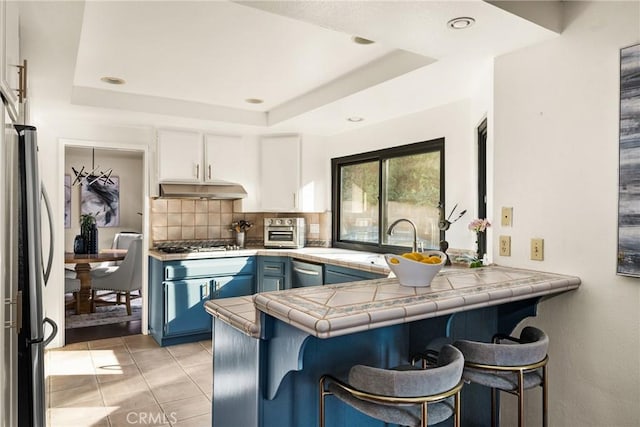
(416, 269)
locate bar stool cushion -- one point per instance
(405, 381)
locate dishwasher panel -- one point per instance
(305, 274)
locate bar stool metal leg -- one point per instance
(545, 398)
(423, 415)
(521, 398)
(323, 393)
(494, 406)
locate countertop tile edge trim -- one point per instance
(322, 328)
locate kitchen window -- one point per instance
(371, 190)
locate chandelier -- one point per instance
(84, 176)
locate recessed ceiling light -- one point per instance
(361, 40)
(461, 23)
(355, 119)
(113, 80)
(254, 101)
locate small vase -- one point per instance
(86, 237)
(240, 239)
(79, 246)
(93, 240)
(444, 245)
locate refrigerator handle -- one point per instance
(47, 204)
(18, 312)
(54, 331)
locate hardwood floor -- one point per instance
(100, 332)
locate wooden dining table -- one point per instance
(83, 272)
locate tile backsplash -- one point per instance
(190, 219)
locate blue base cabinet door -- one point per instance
(184, 307)
(232, 286)
(273, 273)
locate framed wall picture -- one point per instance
(101, 198)
(629, 180)
(67, 201)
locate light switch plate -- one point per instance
(314, 228)
(506, 219)
(537, 249)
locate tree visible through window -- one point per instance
(371, 190)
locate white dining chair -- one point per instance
(122, 280)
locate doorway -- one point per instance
(127, 171)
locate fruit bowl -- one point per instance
(414, 268)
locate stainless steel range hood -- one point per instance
(213, 190)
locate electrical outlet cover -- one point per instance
(505, 245)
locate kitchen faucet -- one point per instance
(415, 231)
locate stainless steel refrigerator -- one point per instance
(24, 276)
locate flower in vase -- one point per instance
(479, 225)
(241, 225)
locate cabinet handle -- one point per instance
(216, 288)
(308, 272)
(209, 171)
(198, 170)
(19, 312)
(294, 200)
(205, 290)
(272, 268)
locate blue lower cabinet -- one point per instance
(184, 307)
(274, 273)
(337, 274)
(179, 289)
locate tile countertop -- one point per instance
(334, 310)
(366, 261)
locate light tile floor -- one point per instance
(129, 381)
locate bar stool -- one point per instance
(509, 364)
(404, 395)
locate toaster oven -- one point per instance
(284, 233)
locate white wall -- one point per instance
(556, 162)
(454, 123)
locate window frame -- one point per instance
(429, 146)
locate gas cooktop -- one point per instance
(194, 248)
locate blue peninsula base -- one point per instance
(272, 381)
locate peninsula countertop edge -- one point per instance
(341, 309)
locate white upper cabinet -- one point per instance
(224, 155)
(280, 173)
(180, 156)
(189, 156)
